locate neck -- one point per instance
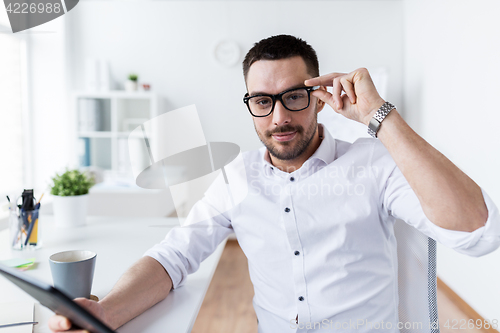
(292, 165)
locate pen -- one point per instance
(31, 231)
(38, 203)
(31, 220)
(13, 215)
(18, 324)
(12, 205)
(24, 219)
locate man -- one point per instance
(316, 225)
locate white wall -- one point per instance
(170, 45)
(452, 84)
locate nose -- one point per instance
(281, 116)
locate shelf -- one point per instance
(96, 134)
(103, 123)
(106, 135)
(122, 94)
(128, 134)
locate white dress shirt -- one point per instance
(319, 241)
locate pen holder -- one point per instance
(25, 230)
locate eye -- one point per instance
(262, 102)
(295, 96)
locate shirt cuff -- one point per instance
(476, 243)
(171, 262)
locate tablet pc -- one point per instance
(56, 301)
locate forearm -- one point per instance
(142, 286)
(449, 198)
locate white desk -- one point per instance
(118, 242)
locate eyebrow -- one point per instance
(300, 85)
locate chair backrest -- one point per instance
(417, 280)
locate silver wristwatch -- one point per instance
(381, 113)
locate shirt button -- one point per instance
(272, 168)
(301, 298)
(296, 253)
(287, 209)
(292, 179)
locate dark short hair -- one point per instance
(282, 47)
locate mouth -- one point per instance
(287, 136)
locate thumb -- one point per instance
(58, 323)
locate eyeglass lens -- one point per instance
(293, 100)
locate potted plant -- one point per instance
(70, 191)
(131, 83)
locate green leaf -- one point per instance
(70, 183)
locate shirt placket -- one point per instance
(296, 255)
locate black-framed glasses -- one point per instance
(296, 99)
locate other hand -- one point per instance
(58, 323)
(360, 99)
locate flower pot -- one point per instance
(130, 85)
(70, 211)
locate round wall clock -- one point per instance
(227, 53)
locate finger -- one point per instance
(82, 300)
(349, 89)
(325, 96)
(337, 94)
(59, 323)
(324, 80)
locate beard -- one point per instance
(289, 150)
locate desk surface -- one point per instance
(118, 242)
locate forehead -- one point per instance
(275, 76)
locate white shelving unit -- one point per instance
(103, 121)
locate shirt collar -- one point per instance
(326, 151)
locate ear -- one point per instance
(319, 103)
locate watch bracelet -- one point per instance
(379, 116)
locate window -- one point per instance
(14, 168)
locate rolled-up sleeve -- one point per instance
(400, 201)
(185, 247)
